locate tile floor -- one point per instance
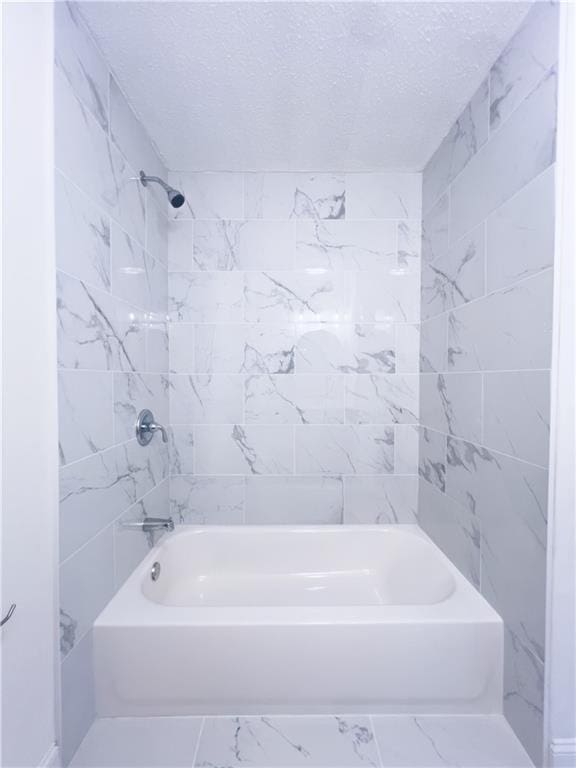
(347, 741)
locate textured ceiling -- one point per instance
(300, 85)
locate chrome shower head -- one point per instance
(175, 197)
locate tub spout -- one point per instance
(150, 524)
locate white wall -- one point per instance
(29, 438)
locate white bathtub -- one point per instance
(254, 620)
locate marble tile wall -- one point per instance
(294, 304)
(487, 261)
(111, 246)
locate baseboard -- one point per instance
(51, 759)
(562, 753)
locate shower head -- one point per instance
(175, 197)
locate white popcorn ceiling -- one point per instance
(300, 85)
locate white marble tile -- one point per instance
(433, 344)
(181, 245)
(520, 234)
(181, 449)
(382, 399)
(448, 741)
(206, 297)
(244, 348)
(86, 585)
(525, 62)
(136, 277)
(345, 348)
(509, 498)
(80, 62)
(97, 331)
(452, 403)
(281, 399)
(85, 413)
(380, 500)
(453, 527)
(269, 195)
(409, 234)
(345, 244)
(457, 276)
(139, 742)
(77, 691)
(383, 195)
(467, 135)
(287, 742)
(132, 393)
(521, 149)
(507, 330)
(82, 236)
(244, 450)
(432, 457)
(157, 352)
(436, 231)
(407, 347)
(157, 231)
(294, 500)
(209, 195)
(406, 447)
(387, 296)
(206, 399)
(249, 245)
(517, 414)
(282, 297)
(344, 449)
(182, 340)
(207, 500)
(295, 196)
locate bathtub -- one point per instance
(316, 619)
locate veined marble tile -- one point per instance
(287, 742)
(433, 344)
(82, 236)
(209, 195)
(86, 585)
(345, 348)
(454, 528)
(244, 450)
(181, 245)
(525, 61)
(517, 414)
(436, 232)
(85, 413)
(385, 500)
(294, 196)
(207, 500)
(345, 244)
(136, 277)
(157, 231)
(407, 347)
(387, 296)
(294, 500)
(182, 337)
(244, 348)
(251, 245)
(272, 297)
(406, 445)
(95, 330)
(409, 235)
(344, 449)
(80, 62)
(521, 234)
(130, 546)
(452, 403)
(521, 149)
(509, 498)
(206, 297)
(467, 135)
(269, 195)
(78, 706)
(306, 399)
(510, 329)
(206, 399)
(457, 276)
(448, 741)
(382, 399)
(384, 195)
(132, 393)
(181, 449)
(157, 352)
(432, 457)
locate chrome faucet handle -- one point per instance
(146, 427)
